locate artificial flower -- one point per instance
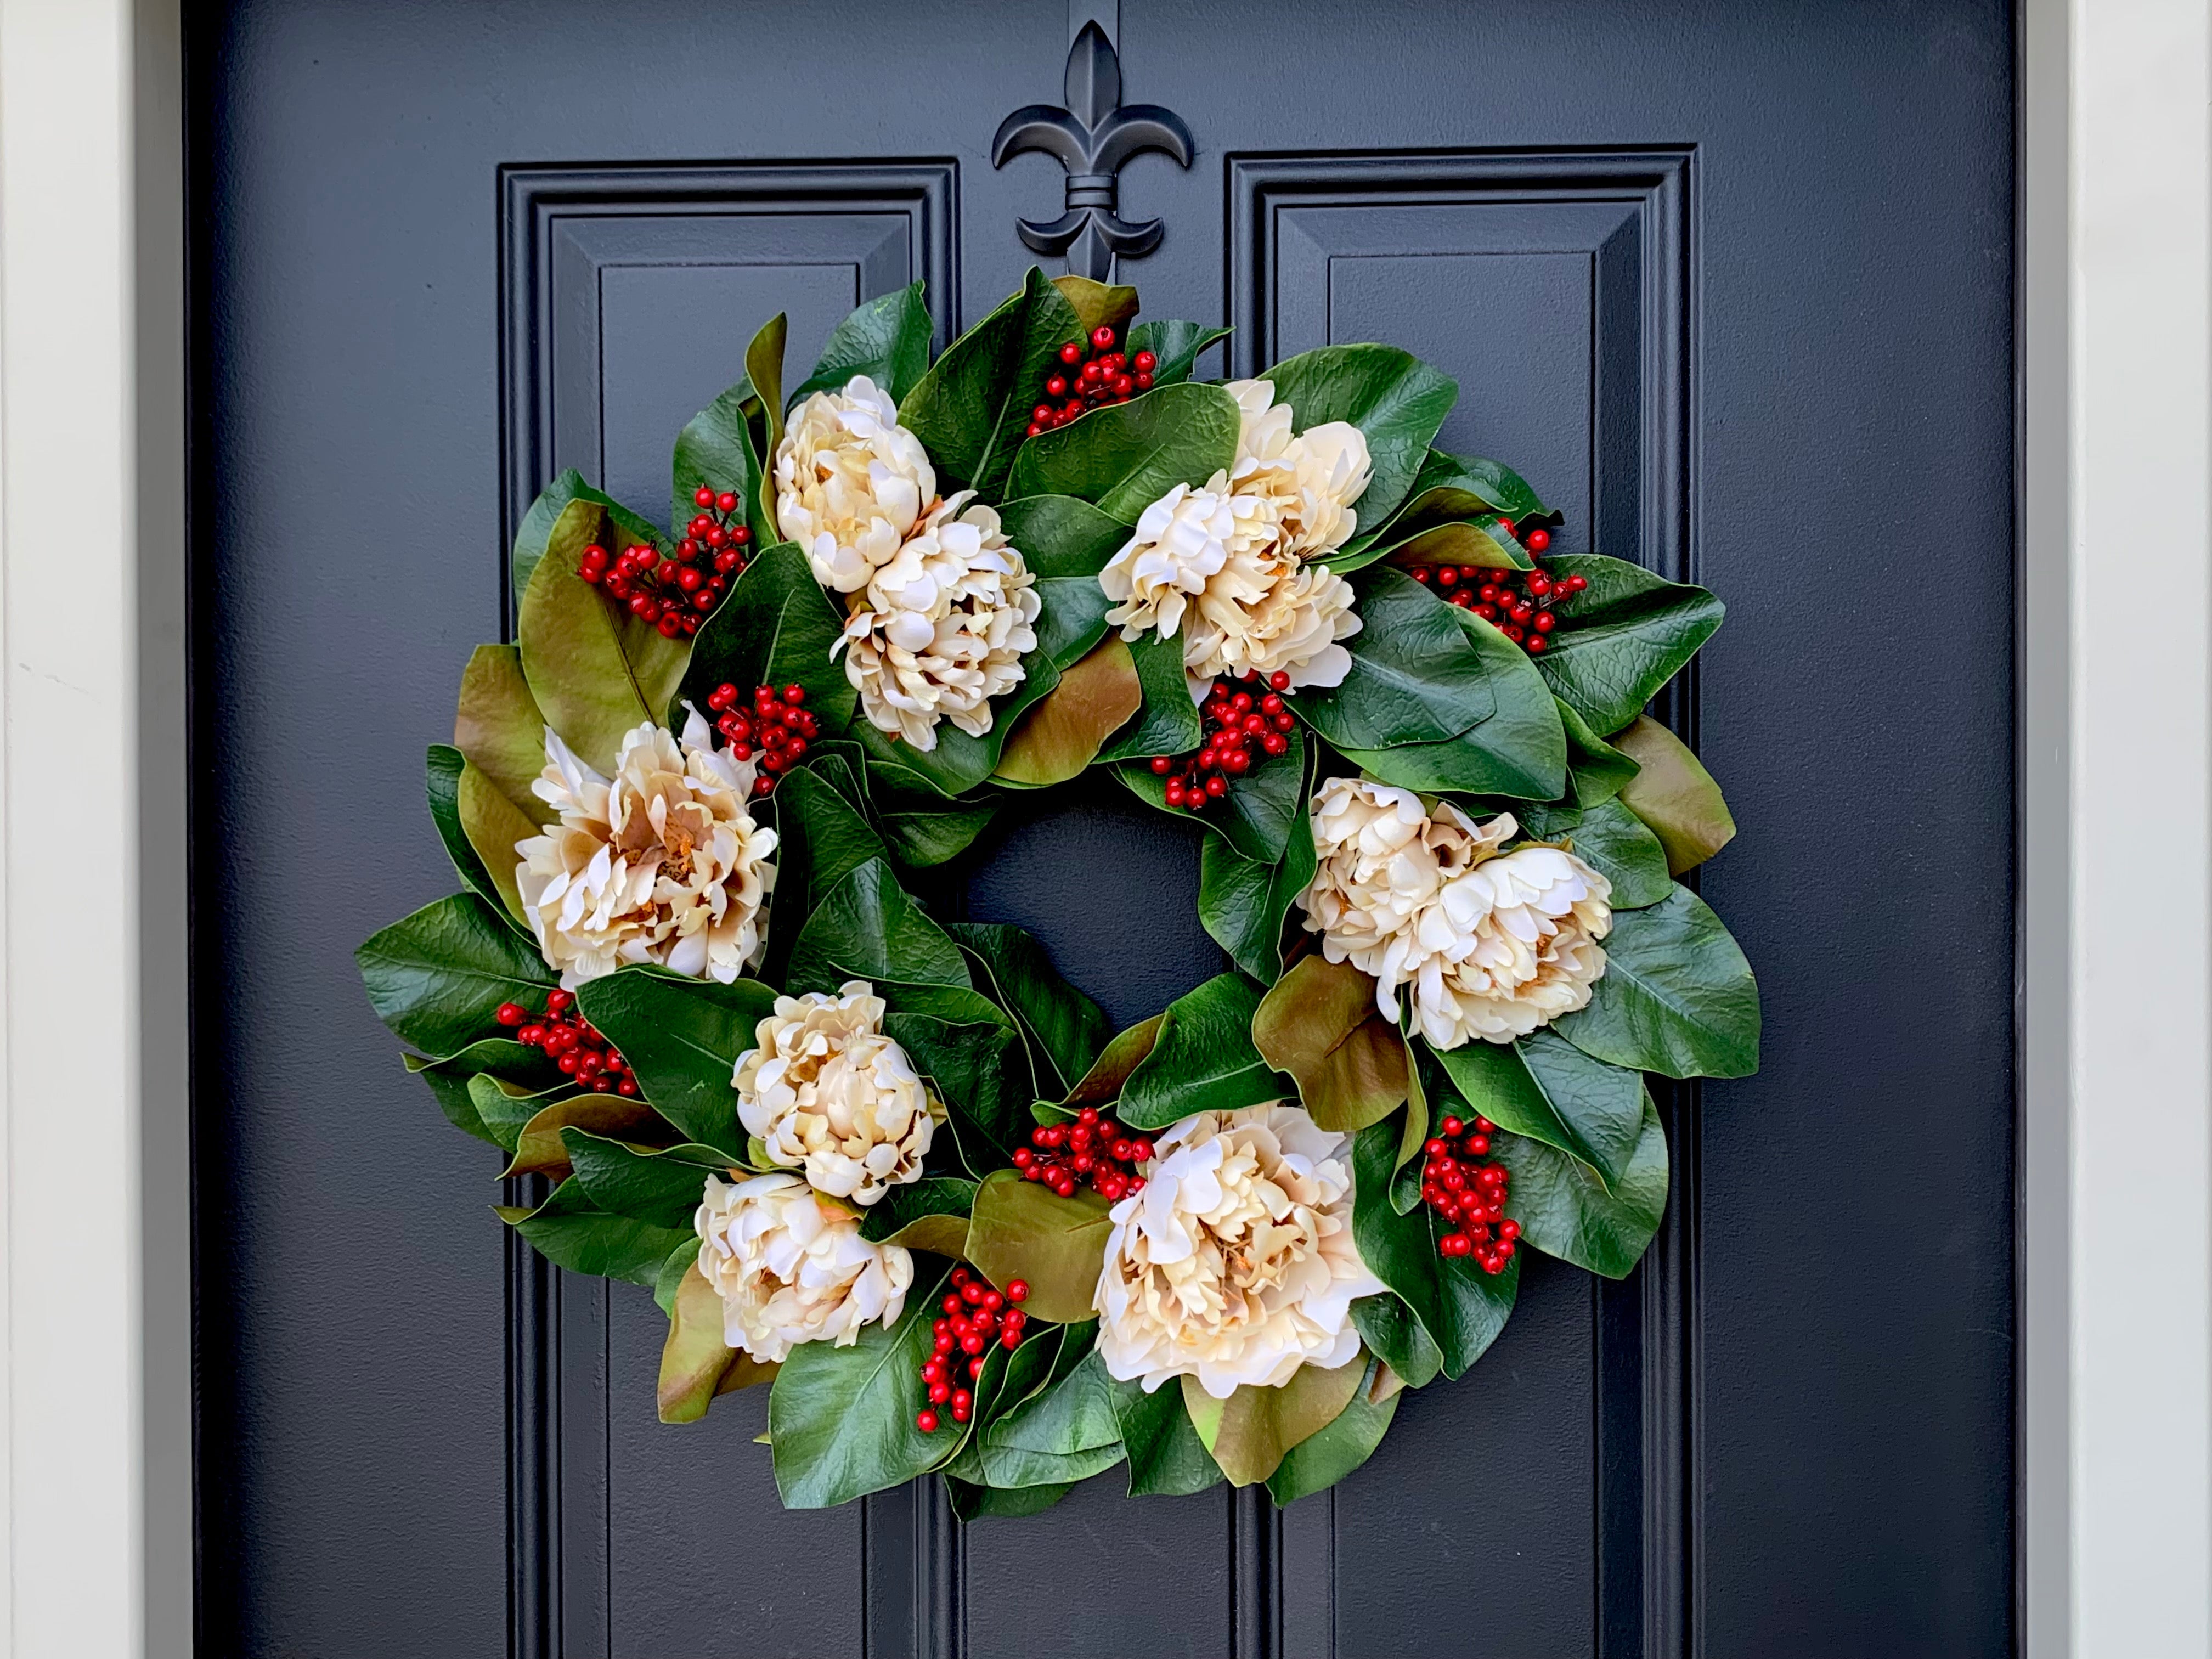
(850, 482)
(1317, 475)
(792, 1267)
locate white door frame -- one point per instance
(2115, 258)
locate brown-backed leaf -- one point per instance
(1064, 733)
(1673, 794)
(695, 1356)
(1021, 1230)
(1102, 1083)
(498, 727)
(765, 368)
(1320, 1023)
(493, 824)
(1096, 302)
(594, 670)
(540, 1149)
(1248, 1432)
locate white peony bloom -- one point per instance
(1210, 564)
(1318, 476)
(940, 629)
(1236, 1263)
(850, 482)
(791, 1267)
(1491, 943)
(660, 863)
(826, 1092)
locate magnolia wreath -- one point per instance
(895, 1167)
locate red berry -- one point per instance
(511, 1013)
(1144, 363)
(1279, 680)
(1102, 337)
(1535, 641)
(1537, 539)
(704, 495)
(1018, 1290)
(1071, 352)
(925, 1421)
(558, 1001)
(726, 501)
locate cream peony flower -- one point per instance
(1491, 943)
(1318, 475)
(939, 630)
(1235, 1264)
(826, 1092)
(1211, 565)
(792, 1267)
(660, 863)
(850, 482)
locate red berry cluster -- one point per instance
(1525, 613)
(1246, 721)
(775, 724)
(1469, 1193)
(1084, 380)
(676, 594)
(570, 1040)
(1063, 1155)
(975, 1316)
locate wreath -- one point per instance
(893, 1165)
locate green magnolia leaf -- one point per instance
(506, 1108)
(682, 1038)
(495, 1058)
(570, 1231)
(678, 1266)
(973, 1503)
(764, 369)
(595, 670)
(1565, 1211)
(1461, 1307)
(1168, 723)
(1623, 638)
(495, 829)
(724, 448)
(1398, 1340)
(1124, 456)
(1249, 1433)
(1068, 1030)
(1063, 731)
(972, 410)
(1202, 1058)
(1065, 544)
(1102, 1084)
(538, 1147)
(841, 1420)
(1176, 345)
(537, 529)
(437, 977)
(930, 1215)
(447, 771)
(663, 1187)
(866, 928)
(822, 837)
(1611, 840)
(1020, 1230)
(1485, 543)
(1327, 1457)
(1550, 1090)
(1257, 817)
(775, 626)
(1166, 1457)
(921, 824)
(1320, 1023)
(1676, 997)
(1456, 488)
(1596, 771)
(1096, 304)
(974, 1068)
(695, 1363)
(887, 339)
(1674, 795)
(1396, 401)
(1244, 905)
(498, 727)
(1065, 1433)
(1413, 679)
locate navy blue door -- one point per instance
(1731, 283)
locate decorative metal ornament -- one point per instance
(1092, 137)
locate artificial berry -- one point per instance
(777, 722)
(976, 1314)
(1469, 1192)
(1090, 373)
(1062, 1157)
(1239, 716)
(565, 1038)
(671, 595)
(1525, 613)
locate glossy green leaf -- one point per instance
(1166, 1457)
(1457, 488)
(437, 977)
(822, 836)
(1257, 817)
(1327, 1457)
(1065, 1433)
(1065, 544)
(1395, 399)
(980, 1072)
(1623, 638)
(1168, 722)
(1244, 905)
(765, 368)
(930, 1215)
(887, 339)
(537, 529)
(1676, 997)
(841, 1420)
(506, 1108)
(1102, 1084)
(1596, 771)
(775, 626)
(495, 829)
(501, 1057)
(1249, 1433)
(971, 1503)
(1565, 1211)
(498, 727)
(1202, 1058)
(1068, 1030)
(1176, 345)
(1484, 543)
(697, 1363)
(572, 1232)
(971, 409)
(680, 1262)
(663, 1187)
(447, 773)
(1019, 1230)
(1461, 1307)
(1320, 1024)
(724, 447)
(1613, 842)
(1674, 795)
(682, 1038)
(1552, 1091)
(1414, 678)
(1124, 456)
(866, 928)
(1394, 1335)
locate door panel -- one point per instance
(1733, 291)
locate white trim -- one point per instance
(2116, 906)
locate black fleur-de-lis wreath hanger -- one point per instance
(1092, 138)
